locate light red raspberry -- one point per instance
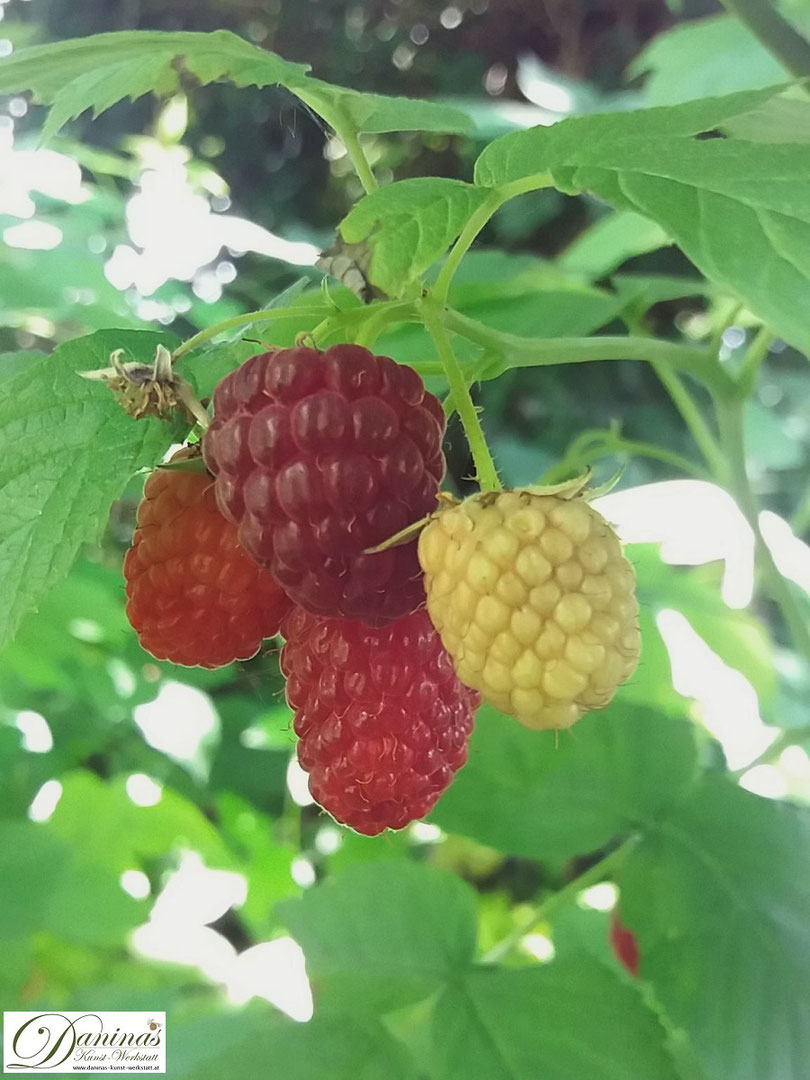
(193, 595)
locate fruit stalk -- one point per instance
(546, 911)
(486, 473)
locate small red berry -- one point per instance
(320, 455)
(383, 721)
(624, 944)
(194, 596)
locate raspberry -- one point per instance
(319, 456)
(624, 944)
(382, 719)
(194, 596)
(534, 601)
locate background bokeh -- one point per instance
(152, 818)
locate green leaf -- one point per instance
(523, 154)
(384, 934)
(48, 885)
(569, 1019)
(550, 795)
(123, 834)
(410, 224)
(265, 863)
(527, 296)
(738, 638)
(379, 113)
(96, 72)
(740, 210)
(66, 645)
(704, 58)
(328, 1047)
(610, 242)
(12, 363)
(718, 895)
(70, 450)
(784, 119)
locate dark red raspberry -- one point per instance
(624, 944)
(319, 456)
(382, 719)
(194, 596)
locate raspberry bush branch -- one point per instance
(548, 352)
(345, 130)
(544, 913)
(775, 33)
(486, 473)
(691, 416)
(246, 319)
(383, 315)
(479, 218)
(731, 420)
(351, 140)
(594, 443)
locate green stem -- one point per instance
(546, 352)
(754, 356)
(345, 131)
(772, 752)
(468, 234)
(486, 473)
(728, 309)
(351, 140)
(479, 218)
(692, 417)
(545, 912)
(390, 312)
(800, 521)
(597, 442)
(730, 416)
(266, 315)
(775, 33)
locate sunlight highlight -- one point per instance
(539, 946)
(791, 555)
(298, 784)
(726, 702)
(143, 790)
(276, 971)
(182, 723)
(176, 234)
(178, 932)
(36, 733)
(695, 522)
(136, 884)
(45, 801)
(601, 897)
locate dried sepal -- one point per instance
(150, 389)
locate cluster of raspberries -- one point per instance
(312, 458)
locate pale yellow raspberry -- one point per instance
(534, 602)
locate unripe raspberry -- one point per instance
(534, 601)
(194, 596)
(383, 721)
(319, 456)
